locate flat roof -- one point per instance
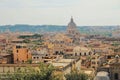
(4, 54)
(88, 72)
(102, 73)
(60, 64)
(66, 60)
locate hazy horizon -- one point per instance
(59, 12)
(54, 25)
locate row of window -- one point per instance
(35, 57)
(76, 54)
(18, 51)
(95, 62)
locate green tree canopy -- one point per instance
(76, 76)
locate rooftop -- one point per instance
(102, 73)
(62, 62)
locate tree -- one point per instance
(43, 72)
(57, 76)
(29, 61)
(76, 76)
(26, 41)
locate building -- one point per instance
(82, 51)
(21, 54)
(72, 31)
(102, 75)
(72, 28)
(67, 65)
(37, 56)
(97, 61)
(115, 68)
(116, 33)
(6, 58)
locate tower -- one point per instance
(21, 53)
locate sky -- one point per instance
(59, 12)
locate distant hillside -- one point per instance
(103, 30)
(32, 28)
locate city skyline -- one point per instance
(58, 12)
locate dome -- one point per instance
(71, 24)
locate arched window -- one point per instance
(17, 59)
(17, 51)
(80, 54)
(27, 56)
(61, 52)
(22, 61)
(56, 52)
(85, 54)
(89, 53)
(75, 54)
(116, 77)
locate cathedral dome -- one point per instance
(71, 24)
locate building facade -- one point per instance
(115, 69)
(21, 54)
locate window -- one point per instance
(27, 56)
(17, 59)
(116, 77)
(80, 54)
(75, 54)
(18, 46)
(89, 53)
(22, 61)
(61, 53)
(93, 57)
(37, 57)
(93, 66)
(97, 62)
(93, 62)
(56, 52)
(17, 51)
(27, 51)
(34, 57)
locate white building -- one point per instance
(102, 75)
(82, 51)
